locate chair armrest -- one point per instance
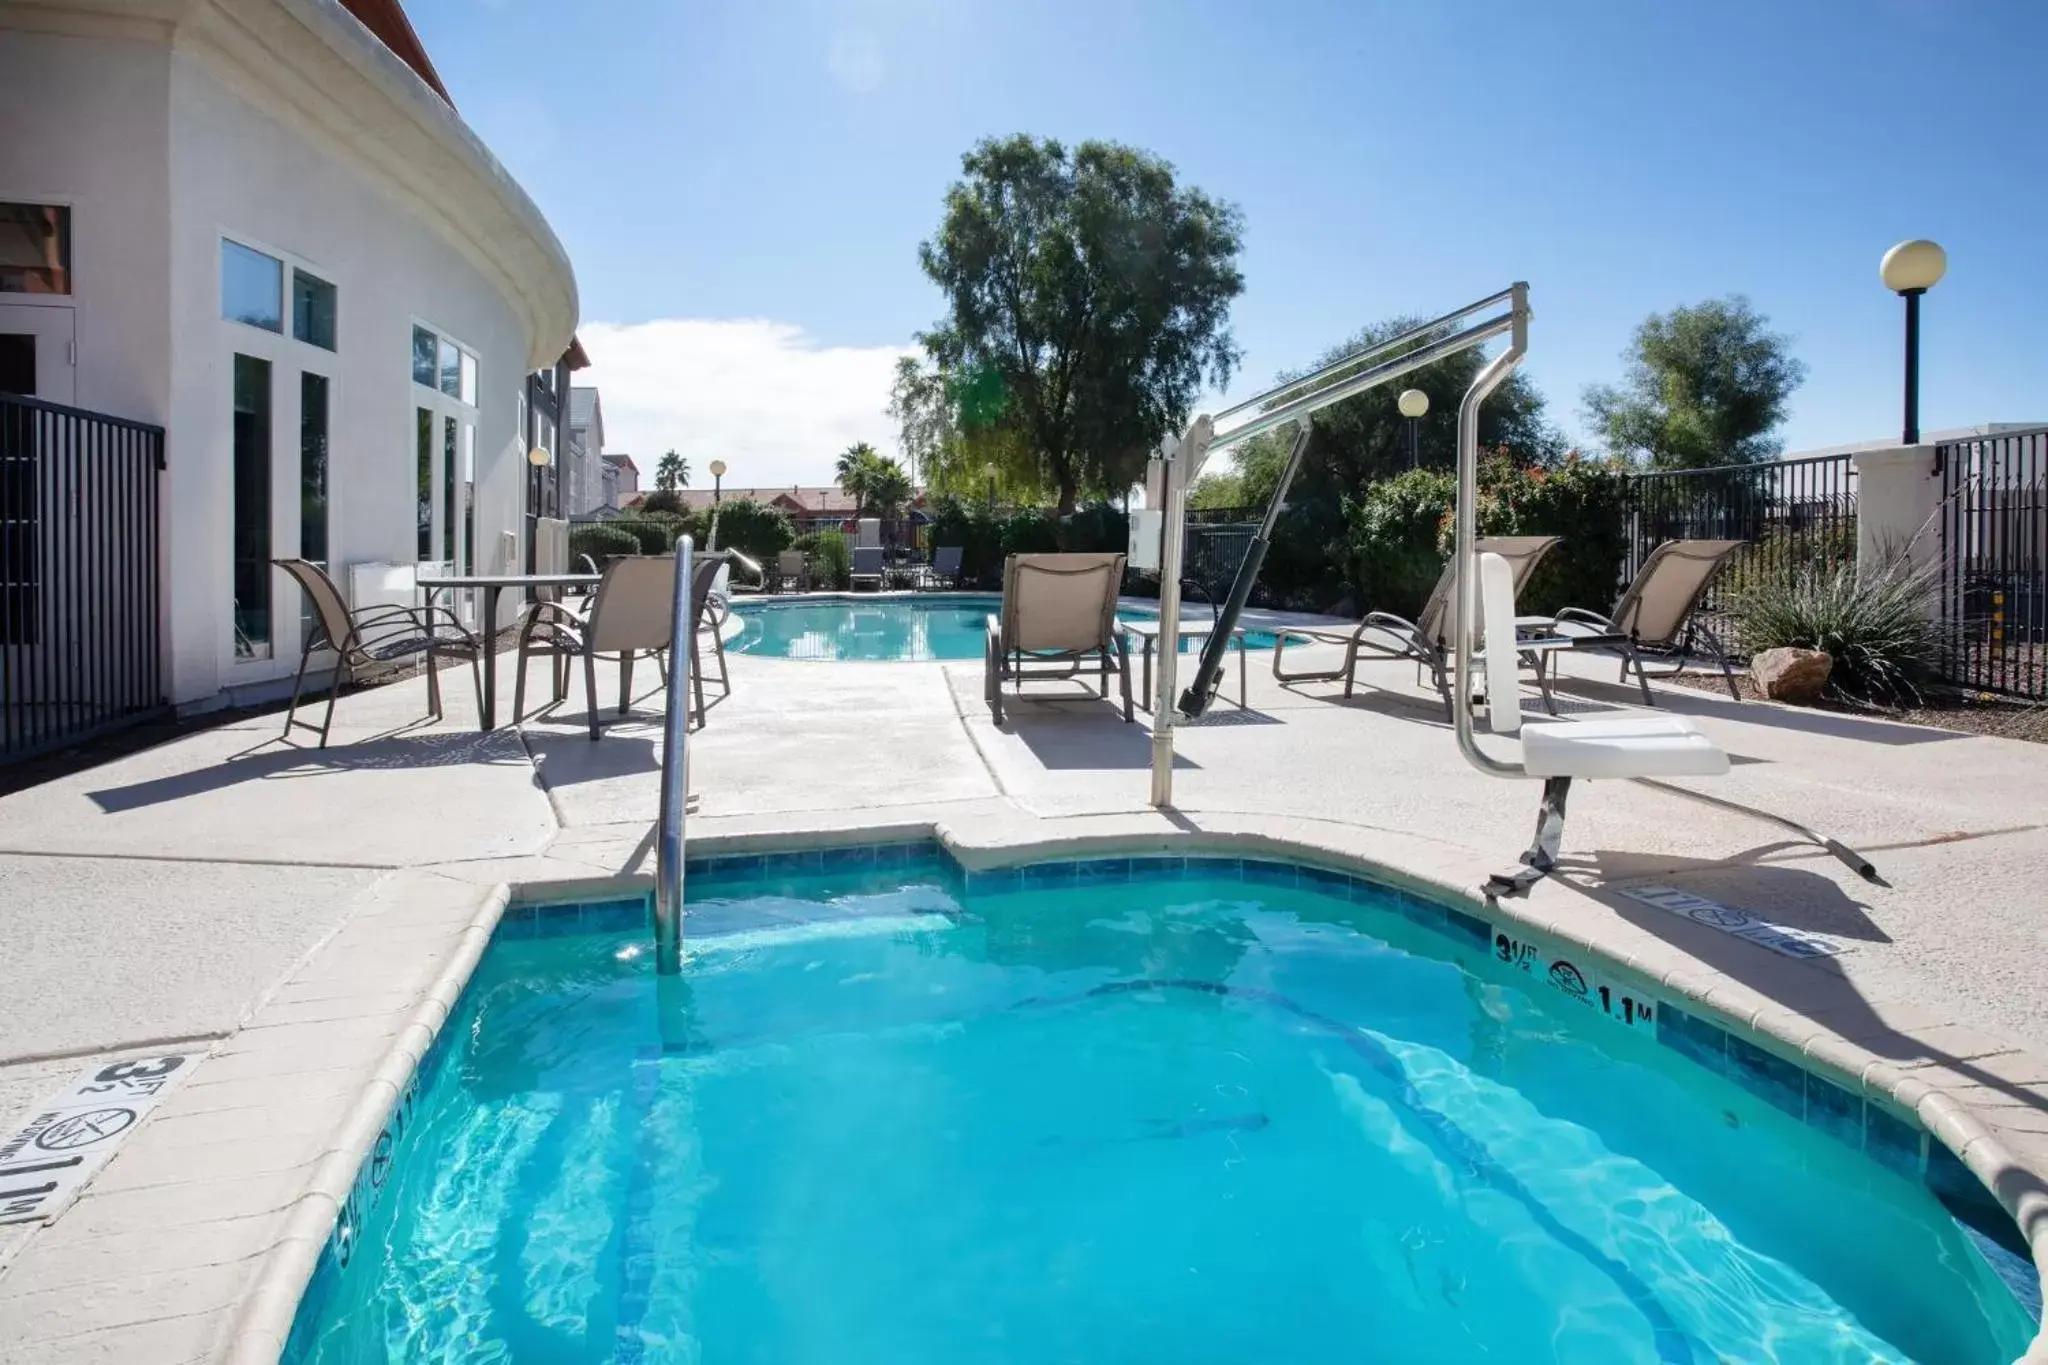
(1591, 618)
(428, 615)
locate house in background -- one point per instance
(621, 481)
(810, 508)
(583, 474)
(261, 226)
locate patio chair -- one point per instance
(629, 617)
(374, 635)
(945, 566)
(1426, 639)
(1058, 614)
(867, 566)
(1658, 612)
(792, 570)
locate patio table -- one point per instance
(1147, 634)
(491, 585)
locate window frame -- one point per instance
(69, 298)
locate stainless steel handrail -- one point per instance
(1466, 553)
(675, 772)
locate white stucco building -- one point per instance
(261, 225)
(583, 477)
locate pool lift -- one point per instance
(1640, 748)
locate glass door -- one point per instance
(36, 352)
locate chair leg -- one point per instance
(433, 687)
(1543, 682)
(1123, 671)
(1727, 672)
(518, 685)
(1630, 659)
(1104, 670)
(992, 678)
(697, 679)
(724, 677)
(333, 692)
(625, 681)
(476, 676)
(292, 712)
(590, 690)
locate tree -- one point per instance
(671, 472)
(1706, 385)
(876, 483)
(1088, 300)
(953, 452)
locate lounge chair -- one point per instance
(629, 617)
(1426, 639)
(374, 635)
(1657, 612)
(945, 566)
(792, 571)
(1058, 613)
(867, 566)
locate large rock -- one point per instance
(1793, 675)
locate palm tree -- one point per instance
(672, 472)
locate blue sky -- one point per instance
(754, 178)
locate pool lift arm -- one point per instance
(1180, 462)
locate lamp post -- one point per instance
(990, 470)
(1413, 404)
(717, 482)
(1909, 270)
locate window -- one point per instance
(35, 249)
(312, 310)
(451, 368)
(252, 507)
(468, 564)
(312, 481)
(448, 471)
(468, 394)
(425, 444)
(251, 285)
(423, 344)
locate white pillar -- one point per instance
(1897, 496)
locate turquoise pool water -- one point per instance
(882, 1119)
(910, 628)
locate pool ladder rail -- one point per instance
(675, 773)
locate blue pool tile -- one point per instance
(994, 880)
(734, 864)
(800, 862)
(1039, 876)
(1834, 1110)
(846, 859)
(1767, 1075)
(1468, 928)
(1269, 873)
(1323, 879)
(1691, 1036)
(1948, 1177)
(1100, 871)
(903, 855)
(1891, 1140)
(1213, 869)
(615, 917)
(693, 867)
(1158, 867)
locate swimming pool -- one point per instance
(910, 627)
(1140, 1109)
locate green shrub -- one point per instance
(1877, 623)
(656, 535)
(663, 502)
(757, 531)
(831, 563)
(602, 541)
(1401, 531)
(1095, 529)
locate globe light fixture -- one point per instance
(1909, 270)
(717, 481)
(1413, 403)
(538, 457)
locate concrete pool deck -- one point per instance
(302, 917)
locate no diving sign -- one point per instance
(68, 1137)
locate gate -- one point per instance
(1994, 562)
(79, 647)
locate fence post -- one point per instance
(1897, 497)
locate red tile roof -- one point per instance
(386, 19)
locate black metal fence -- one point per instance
(1794, 514)
(79, 647)
(1994, 562)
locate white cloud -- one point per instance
(855, 60)
(760, 395)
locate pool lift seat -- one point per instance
(1641, 749)
(1623, 747)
